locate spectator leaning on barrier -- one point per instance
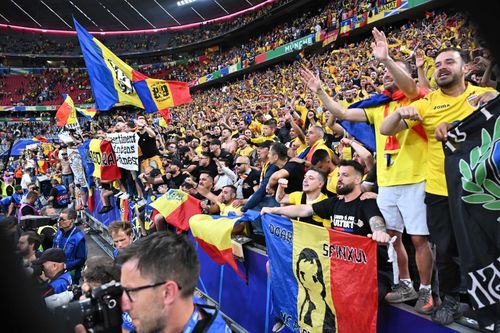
(400, 175)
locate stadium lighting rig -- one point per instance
(185, 2)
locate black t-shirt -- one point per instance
(148, 146)
(251, 180)
(295, 178)
(226, 156)
(353, 217)
(210, 168)
(174, 182)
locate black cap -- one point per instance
(52, 254)
(265, 144)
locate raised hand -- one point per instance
(310, 80)
(409, 112)
(379, 46)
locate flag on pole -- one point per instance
(87, 113)
(159, 95)
(66, 113)
(110, 77)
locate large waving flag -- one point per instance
(177, 207)
(110, 77)
(213, 233)
(66, 113)
(87, 113)
(312, 274)
(157, 95)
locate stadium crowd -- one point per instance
(272, 142)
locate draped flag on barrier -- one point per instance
(472, 164)
(177, 207)
(213, 233)
(322, 280)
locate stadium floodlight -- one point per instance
(185, 2)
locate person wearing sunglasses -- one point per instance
(71, 239)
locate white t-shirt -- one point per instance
(25, 181)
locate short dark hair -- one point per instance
(32, 238)
(165, 256)
(216, 142)
(320, 173)
(352, 163)
(280, 149)
(233, 189)
(101, 269)
(32, 195)
(319, 156)
(461, 53)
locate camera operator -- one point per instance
(158, 276)
(53, 262)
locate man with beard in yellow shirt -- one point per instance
(454, 101)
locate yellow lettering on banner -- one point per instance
(95, 156)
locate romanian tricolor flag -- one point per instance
(165, 117)
(321, 278)
(87, 113)
(158, 95)
(213, 233)
(40, 138)
(110, 77)
(66, 114)
(177, 207)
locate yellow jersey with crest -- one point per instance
(434, 109)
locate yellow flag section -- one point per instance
(95, 156)
(213, 233)
(177, 207)
(314, 300)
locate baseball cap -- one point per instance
(52, 254)
(265, 144)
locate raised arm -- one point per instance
(401, 77)
(314, 83)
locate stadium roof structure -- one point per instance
(119, 16)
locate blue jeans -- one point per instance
(67, 180)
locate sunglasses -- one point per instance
(240, 164)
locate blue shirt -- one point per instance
(61, 283)
(74, 246)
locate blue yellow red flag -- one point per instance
(321, 278)
(66, 113)
(177, 207)
(158, 95)
(87, 113)
(110, 77)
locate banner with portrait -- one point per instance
(322, 280)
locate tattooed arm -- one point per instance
(379, 233)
